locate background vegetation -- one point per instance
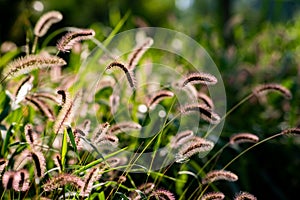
(252, 42)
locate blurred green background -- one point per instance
(251, 41)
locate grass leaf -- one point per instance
(4, 149)
(6, 106)
(64, 149)
(72, 139)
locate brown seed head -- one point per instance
(45, 21)
(219, 175)
(272, 87)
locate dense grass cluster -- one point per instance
(51, 149)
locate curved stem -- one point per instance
(34, 44)
(215, 155)
(251, 147)
(229, 112)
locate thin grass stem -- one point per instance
(228, 113)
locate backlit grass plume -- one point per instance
(216, 175)
(39, 162)
(21, 180)
(30, 135)
(272, 87)
(138, 53)
(213, 196)
(129, 73)
(42, 106)
(199, 78)
(66, 43)
(205, 112)
(157, 97)
(47, 96)
(162, 194)
(193, 146)
(62, 180)
(100, 131)
(243, 137)
(89, 180)
(45, 22)
(291, 131)
(123, 127)
(29, 63)
(7, 179)
(181, 138)
(67, 111)
(206, 100)
(244, 196)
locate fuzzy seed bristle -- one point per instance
(181, 138)
(104, 83)
(244, 196)
(122, 179)
(206, 100)
(158, 97)
(41, 106)
(243, 137)
(21, 180)
(162, 194)
(22, 159)
(7, 179)
(113, 162)
(100, 131)
(196, 145)
(123, 127)
(138, 53)
(67, 112)
(57, 161)
(78, 135)
(30, 135)
(3, 164)
(62, 180)
(107, 139)
(90, 178)
(291, 131)
(200, 78)
(64, 95)
(66, 43)
(219, 175)
(29, 63)
(86, 126)
(39, 162)
(205, 112)
(147, 187)
(45, 21)
(213, 196)
(47, 96)
(129, 73)
(272, 87)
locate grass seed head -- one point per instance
(46, 21)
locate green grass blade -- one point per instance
(64, 149)
(96, 162)
(6, 58)
(4, 149)
(72, 140)
(119, 195)
(101, 196)
(6, 107)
